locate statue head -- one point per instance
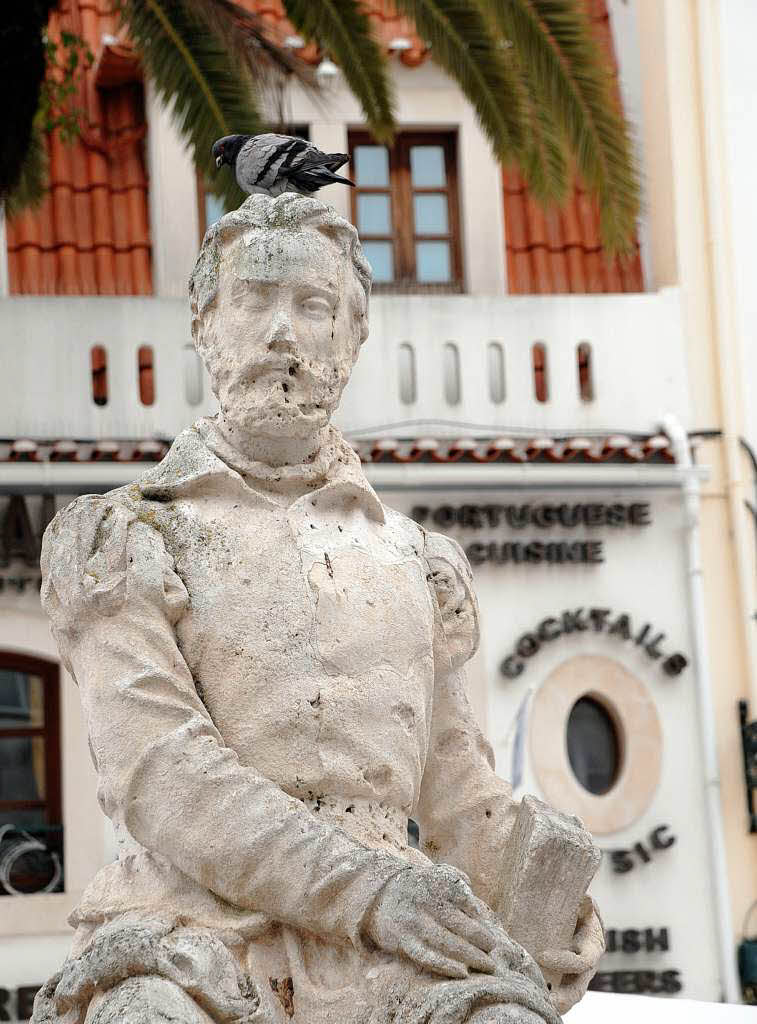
(279, 299)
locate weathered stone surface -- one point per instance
(271, 664)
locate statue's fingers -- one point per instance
(467, 928)
(589, 938)
(563, 961)
(437, 937)
(461, 896)
(571, 989)
(431, 960)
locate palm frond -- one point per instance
(343, 30)
(248, 38)
(544, 164)
(571, 78)
(32, 182)
(463, 44)
(210, 94)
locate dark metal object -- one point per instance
(747, 957)
(749, 749)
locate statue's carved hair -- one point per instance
(287, 212)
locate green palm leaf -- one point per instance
(463, 44)
(544, 164)
(343, 30)
(211, 95)
(570, 78)
(250, 40)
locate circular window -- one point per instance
(594, 748)
(596, 742)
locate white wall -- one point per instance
(738, 20)
(637, 355)
(643, 575)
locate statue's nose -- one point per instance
(281, 335)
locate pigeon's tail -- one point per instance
(316, 177)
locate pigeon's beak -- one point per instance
(219, 161)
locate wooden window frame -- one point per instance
(49, 673)
(401, 192)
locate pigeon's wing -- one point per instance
(260, 161)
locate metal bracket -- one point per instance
(749, 749)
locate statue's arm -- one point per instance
(466, 811)
(113, 596)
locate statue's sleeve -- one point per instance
(465, 811)
(110, 589)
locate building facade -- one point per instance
(582, 427)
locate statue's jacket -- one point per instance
(270, 692)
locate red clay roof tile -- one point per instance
(91, 234)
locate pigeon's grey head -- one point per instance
(225, 150)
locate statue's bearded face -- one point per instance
(283, 333)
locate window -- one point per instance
(31, 833)
(406, 209)
(593, 746)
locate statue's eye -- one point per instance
(316, 306)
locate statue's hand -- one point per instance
(431, 916)
(579, 963)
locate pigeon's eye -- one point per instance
(316, 306)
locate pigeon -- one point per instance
(271, 164)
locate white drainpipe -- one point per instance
(690, 490)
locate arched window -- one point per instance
(594, 747)
(31, 830)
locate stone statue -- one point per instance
(271, 668)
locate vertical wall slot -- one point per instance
(407, 381)
(585, 371)
(193, 375)
(98, 362)
(539, 363)
(495, 357)
(451, 373)
(146, 374)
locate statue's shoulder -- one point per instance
(450, 581)
(429, 545)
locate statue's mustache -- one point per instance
(291, 370)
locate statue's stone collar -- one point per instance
(200, 454)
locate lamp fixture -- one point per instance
(327, 72)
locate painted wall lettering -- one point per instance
(592, 620)
(624, 861)
(545, 516)
(637, 940)
(18, 538)
(637, 982)
(17, 1003)
(536, 552)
